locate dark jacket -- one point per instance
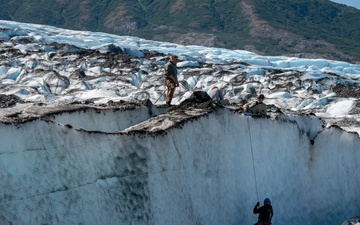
(265, 213)
(170, 69)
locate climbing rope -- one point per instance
(162, 93)
(252, 154)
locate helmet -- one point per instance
(261, 96)
(267, 200)
(214, 87)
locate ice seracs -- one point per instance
(82, 141)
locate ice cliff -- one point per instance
(83, 142)
(199, 164)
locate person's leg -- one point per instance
(170, 91)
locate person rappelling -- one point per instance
(265, 212)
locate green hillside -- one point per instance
(312, 28)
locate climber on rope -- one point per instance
(265, 212)
(256, 107)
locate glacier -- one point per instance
(83, 142)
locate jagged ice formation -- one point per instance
(82, 142)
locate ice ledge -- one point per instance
(153, 120)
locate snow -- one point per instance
(86, 166)
(340, 108)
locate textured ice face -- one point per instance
(209, 163)
(81, 141)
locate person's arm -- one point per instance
(174, 80)
(256, 209)
(246, 106)
(249, 105)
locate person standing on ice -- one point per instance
(265, 212)
(171, 80)
(256, 107)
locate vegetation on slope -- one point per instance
(316, 28)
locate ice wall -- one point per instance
(211, 170)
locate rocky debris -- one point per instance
(346, 91)
(25, 112)
(7, 101)
(197, 105)
(198, 99)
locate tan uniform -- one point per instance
(255, 107)
(170, 69)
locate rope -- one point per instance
(164, 92)
(165, 88)
(252, 154)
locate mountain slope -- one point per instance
(315, 28)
